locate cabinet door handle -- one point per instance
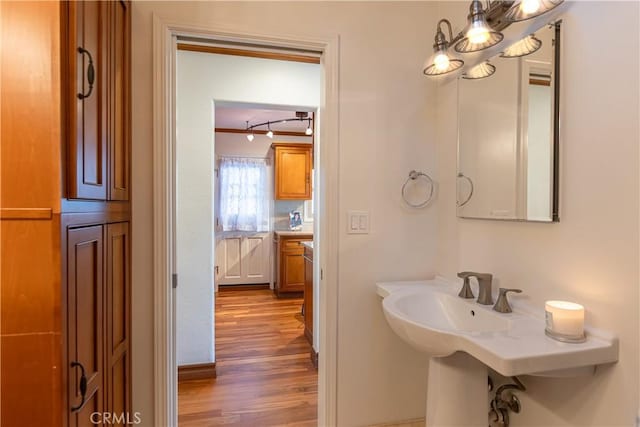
(83, 386)
(91, 73)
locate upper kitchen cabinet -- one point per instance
(97, 58)
(293, 165)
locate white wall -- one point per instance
(387, 128)
(591, 256)
(202, 80)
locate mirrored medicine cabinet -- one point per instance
(508, 136)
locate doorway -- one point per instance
(263, 341)
(166, 36)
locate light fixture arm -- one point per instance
(441, 42)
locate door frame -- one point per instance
(165, 34)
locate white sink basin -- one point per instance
(432, 321)
(431, 317)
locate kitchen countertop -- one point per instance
(288, 233)
(308, 244)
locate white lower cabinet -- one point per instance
(243, 258)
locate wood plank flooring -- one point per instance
(264, 374)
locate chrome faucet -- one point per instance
(502, 305)
(484, 283)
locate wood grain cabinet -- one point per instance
(290, 265)
(85, 297)
(65, 214)
(293, 165)
(97, 51)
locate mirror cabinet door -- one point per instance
(508, 137)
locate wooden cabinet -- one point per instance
(118, 318)
(290, 264)
(97, 52)
(242, 258)
(293, 165)
(308, 294)
(65, 273)
(85, 299)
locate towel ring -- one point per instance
(465, 201)
(413, 175)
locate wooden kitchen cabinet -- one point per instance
(290, 265)
(293, 163)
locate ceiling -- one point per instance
(236, 118)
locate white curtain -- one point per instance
(244, 205)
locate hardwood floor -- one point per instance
(264, 373)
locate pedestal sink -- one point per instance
(463, 338)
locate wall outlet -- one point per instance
(358, 222)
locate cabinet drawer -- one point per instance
(291, 244)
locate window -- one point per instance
(244, 205)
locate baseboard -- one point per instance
(418, 422)
(314, 357)
(199, 371)
(258, 286)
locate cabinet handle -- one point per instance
(91, 73)
(83, 386)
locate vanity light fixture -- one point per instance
(484, 30)
(440, 62)
(478, 34)
(526, 46)
(300, 116)
(522, 10)
(480, 71)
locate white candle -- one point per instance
(565, 319)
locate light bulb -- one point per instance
(529, 6)
(478, 33)
(308, 131)
(250, 137)
(441, 61)
(270, 134)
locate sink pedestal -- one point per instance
(457, 392)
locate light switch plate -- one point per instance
(358, 222)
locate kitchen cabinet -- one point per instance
(242, 258)
(290, 264)
(292, 165)
(308, 294)
(64, 207)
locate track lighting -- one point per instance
(250, 135)
(300, 116)
(478, 35)
(441, 63)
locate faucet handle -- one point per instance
(466, 291)
(502, 305)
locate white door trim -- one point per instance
(165, 34)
